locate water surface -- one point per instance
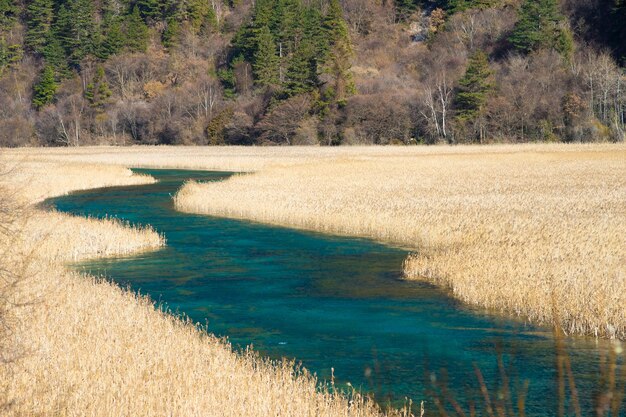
(329, 302)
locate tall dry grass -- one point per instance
(505, 226)
(245, 159)
(34, 181)
(509, 227)
(83, 346)
(61, 237)
(105, 352)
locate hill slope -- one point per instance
(76, 72)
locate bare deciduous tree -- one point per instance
(69, 112)
(281, 124)
(605, 85)
(380, 118)
(435, 103)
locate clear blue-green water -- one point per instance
(325, 301)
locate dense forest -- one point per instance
(80, 72)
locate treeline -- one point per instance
(76, 72)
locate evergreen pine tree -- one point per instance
(201, 15)
(286, 26)
(266, 63)
(9, 55)
(210, 21)
(244, 44)
(287, 23)
(338, 63)
(112, 37)
(245, 41)
(461, 5)
(45, 90)
(39, 14)
(290, 45)
(76, 29)
(474, 87)
(175, 9)
(334, 24)
(541, 25)
(8, 14)
(315, 34)
(263, 11)
(137, 33)
(171, 33)
(55, 56)
(150, 10)
(98, 91)
(301, 74)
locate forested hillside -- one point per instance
(78, 72)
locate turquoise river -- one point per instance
(326, 301)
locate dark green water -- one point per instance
(326, 301)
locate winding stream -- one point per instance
(326, 301)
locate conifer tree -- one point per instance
(266, 63)
(286, 23)
(461, 5)
(98, 91)
(45, 90)
(201, 14)
(289, 45)
(175, 9)
(150, 10)
(315, 33)
(112, 37)
(39, 14)
(137, 33)
(334, 24)
(301, 76)
(246, 40)
(8, 14)
(263, 11)
(541, 25)
(338, 63)
(171, 33)
(474, 87)
(9, 55)
(55, 56)
(76, 29)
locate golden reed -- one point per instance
(76, 345)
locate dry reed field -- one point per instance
(68, 238)
(74, 345)
(106, 352)
(245, 159)
(520, 229)
(514, 228)
(34, 181)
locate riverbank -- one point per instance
(524, 229)
(78, 345)
(538, 231)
